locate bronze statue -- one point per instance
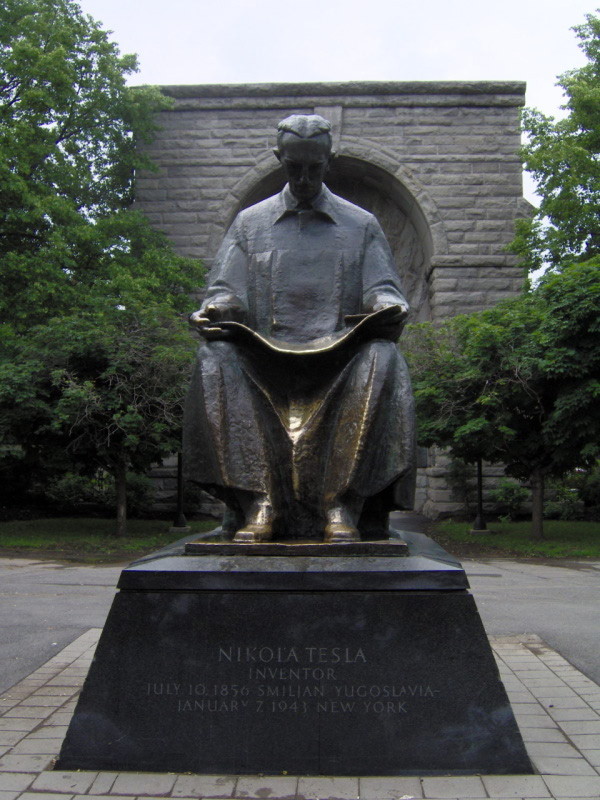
(300, 415)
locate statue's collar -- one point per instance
(322, 204)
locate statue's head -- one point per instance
(304, 151)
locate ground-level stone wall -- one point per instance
(436, 162)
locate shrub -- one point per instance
(590, 487)
(508, 498)
(460, 478)
(563, 503)
(71, 491)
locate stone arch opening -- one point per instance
(373, 188)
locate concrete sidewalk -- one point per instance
(557, 708)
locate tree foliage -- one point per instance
(564, 158)
(69, 135)
(93, 348)
(518, 384)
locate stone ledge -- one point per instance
(353, 88)
(287, 104)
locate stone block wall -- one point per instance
(436, 162)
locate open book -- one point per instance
(361, 326)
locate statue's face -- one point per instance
(305, 163)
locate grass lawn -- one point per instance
(89, 539)
(562, 539)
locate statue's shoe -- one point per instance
(254, 533)
(338, 532)
(340, 527)
(259, 523)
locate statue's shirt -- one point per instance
(298, 272)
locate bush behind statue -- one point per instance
(509, 498)
(76, 494)
(575, 497)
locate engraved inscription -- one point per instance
(283, 655)
(272, 679)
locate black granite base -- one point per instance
(217, 675)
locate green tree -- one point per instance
(69, 135)
(103, 382)
(518, 384)
(564, 158)
(120, 401)
(93, 348)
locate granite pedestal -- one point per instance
(341, 665)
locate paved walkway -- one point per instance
(557, 708)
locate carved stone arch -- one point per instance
(407, 191)
(373, 180)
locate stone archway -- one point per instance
(373, 188)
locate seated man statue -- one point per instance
(300, 415)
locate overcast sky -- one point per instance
(256, 41)
(266, 41)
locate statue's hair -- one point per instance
(305, 126)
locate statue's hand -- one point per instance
(390, 327)
(204, 326)
(400, 310)
(206, 320)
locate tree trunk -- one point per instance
(121, 493)
(537, 504)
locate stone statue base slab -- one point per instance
(216, 664)
(392, 548)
